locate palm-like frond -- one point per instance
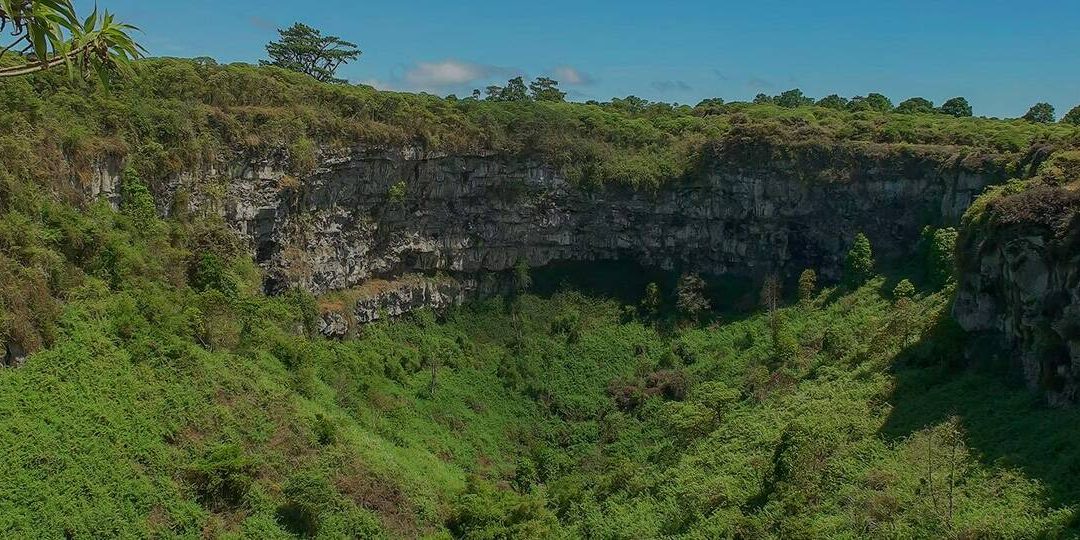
(55, 34)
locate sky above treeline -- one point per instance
(1003, 55)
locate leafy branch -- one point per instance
(48, 34)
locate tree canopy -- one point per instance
(1042, 113)
(304, 49)
(541, 89)
(873, 101)
(546, 89)
(793, 98)
(833, 101)
(1072, 117)
(515, 90)
(49, 33)
(915, 105)
(957, 106)
(860, 260)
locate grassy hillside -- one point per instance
(171, 399)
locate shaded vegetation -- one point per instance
(1046, 202)
(176, 400)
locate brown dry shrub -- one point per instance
(1052, 207)
(379, 494)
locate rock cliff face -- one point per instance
(750, 210)
(379, 298)
(1019, 287)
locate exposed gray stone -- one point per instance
(751, 209)
(470, 214)
(333, 324)
(1026, 289)
(14, 355)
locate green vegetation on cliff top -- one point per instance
(171, 114)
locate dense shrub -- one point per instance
(940, 254)
(807, 285)
(690, 295)
(860, 260)
(223, 476)
(1049, 206)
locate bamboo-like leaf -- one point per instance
(58, 37)
(91, 21)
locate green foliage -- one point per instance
(223, 476)
(304, 49)
(940, 254)
(860, 260)
(397, 192)
(870, 102)
(165, 396)
(514, 90)
(484, 513)
(136, 201)
(916, 105)
(834, 102)
(651, 301)
(807, 285)
(785, 342)
(761, 424)
(793, 98)
(1072, 117)
(1041, 113)
(170, 116)
(903, 290)
(522, 276)
(303, 156)
(210, 273)
(546, 89)
(957, 106)
(690, 296)
(97, 45)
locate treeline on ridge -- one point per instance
(173, 114)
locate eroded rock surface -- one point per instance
(751, 210)
(1020, 286)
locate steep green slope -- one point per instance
(174, 400)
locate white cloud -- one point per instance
(571, 75)
(447, 73)
(381, 85)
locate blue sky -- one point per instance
(1003, 55)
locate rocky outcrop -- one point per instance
(1019, 287)
(13, 355)
(750, 209)
(342, 313)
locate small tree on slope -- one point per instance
(860, 260)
